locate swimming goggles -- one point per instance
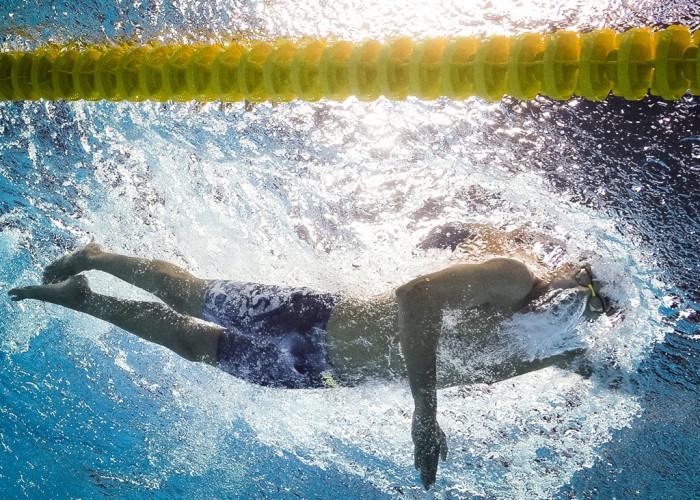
(596, 302)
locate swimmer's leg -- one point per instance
(152, 321)
(172, 284)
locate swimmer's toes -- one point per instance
(16, 295)
(71, 292)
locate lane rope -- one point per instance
(630, 64)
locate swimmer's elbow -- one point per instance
(405, 293)
(511, 283)
(414, 296)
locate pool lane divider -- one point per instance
(560, 65)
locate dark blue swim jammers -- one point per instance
(274, 336)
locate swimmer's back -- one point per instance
(498, 282)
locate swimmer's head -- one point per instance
(577, 279)
(597, 303)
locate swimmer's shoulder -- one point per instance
(496, 267)
(506, 266)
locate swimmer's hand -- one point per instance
(429, 443)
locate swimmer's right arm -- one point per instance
(421, 302)
(419, 330)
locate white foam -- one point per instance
(348, 219)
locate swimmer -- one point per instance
(298, 338)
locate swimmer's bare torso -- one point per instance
(361, 335)
(364, 337)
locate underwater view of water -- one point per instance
(337, 196)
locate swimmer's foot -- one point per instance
(71, 264)
(68, 293)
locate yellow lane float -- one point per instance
(560, 65)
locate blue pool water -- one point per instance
(336, 196)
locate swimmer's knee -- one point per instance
(178, 288)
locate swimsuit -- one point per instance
(273, 336)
